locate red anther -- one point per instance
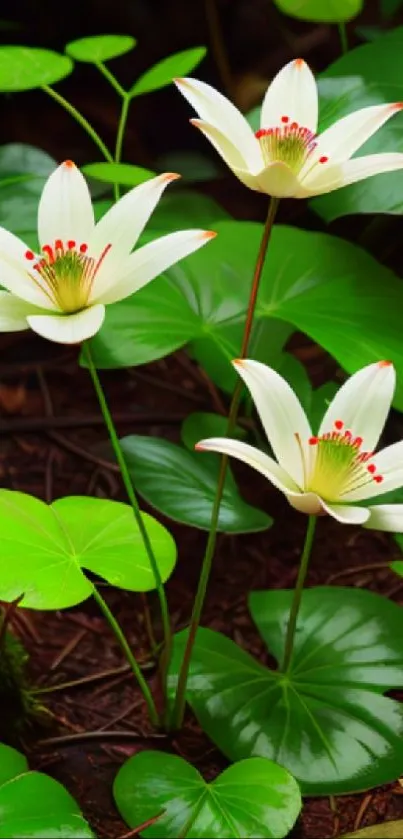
(285, 119)
(71, 244)
(323, 159)
(348, 434)
(339, 424)
(261, 133)
(47, 249)
(294, 126)
(83, 248)
(378, 479)
(358, 442)
(59, 245)
(313, 441)
(371, 468)
(29, 255)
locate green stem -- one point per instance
(111, 78)
(343, 37)
(180, 698)
(81, 120)
(166, 656)
(114, 625)
(120, 135)
(299, 586)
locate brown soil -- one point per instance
(51, 431)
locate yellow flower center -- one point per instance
(66, 274)
(291, 144)
(339, 465)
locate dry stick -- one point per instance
(218, 47)
(142, 826)
(180, 700)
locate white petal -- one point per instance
(386, 517)
(252, 457)
(216, 109)
(13, 313)
(389, 464)
(345, 514)
(278, 180)
(230, 153)
(69, 329)
(341, 140)
(326, 178)
(16, 271)
(151, 260)
(282, 416)
(293, 93)
(308, 503)
(122, 225)
(65, 209)
(363, 403)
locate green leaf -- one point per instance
(162, 74)
(47, 546)
(23, 172)
(193, 166)
(321, 399)
(387, 830)
(24, 68)
(315, 288)
(254, 797)
(182, 485)
(98, 48)
(202, 424)
(326, 721)
(397, 565)
(34, 806)
(390, 7)
(321, 11)
(120, 173)
(366, 76)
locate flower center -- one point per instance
(339, 465)
(291, 144)
(66, 274)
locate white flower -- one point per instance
(329, 472)
(61, 293)
(286, 158)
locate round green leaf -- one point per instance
(46, 547)
(253, 798)
(388, 830)
(397, 565)
(98, 48)
(365, 76)
(119, 173)
(326, 721)
(34, 806)
(182, 485)
(321, 11)
(24, 68)
(162, 74)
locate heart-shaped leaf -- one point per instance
(182, 485)
(326, 720)
(326, 11)
(118, 173)
(366, 76)
(253, 798)
(24, 68)
(46, 547)
(34, 806)
(97, 48)
(311, 280)
(163, 73)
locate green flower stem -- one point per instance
(299, 586)
(180, 698)
(81, 120)
(343, 37)
(166, 655)
(116, 629)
